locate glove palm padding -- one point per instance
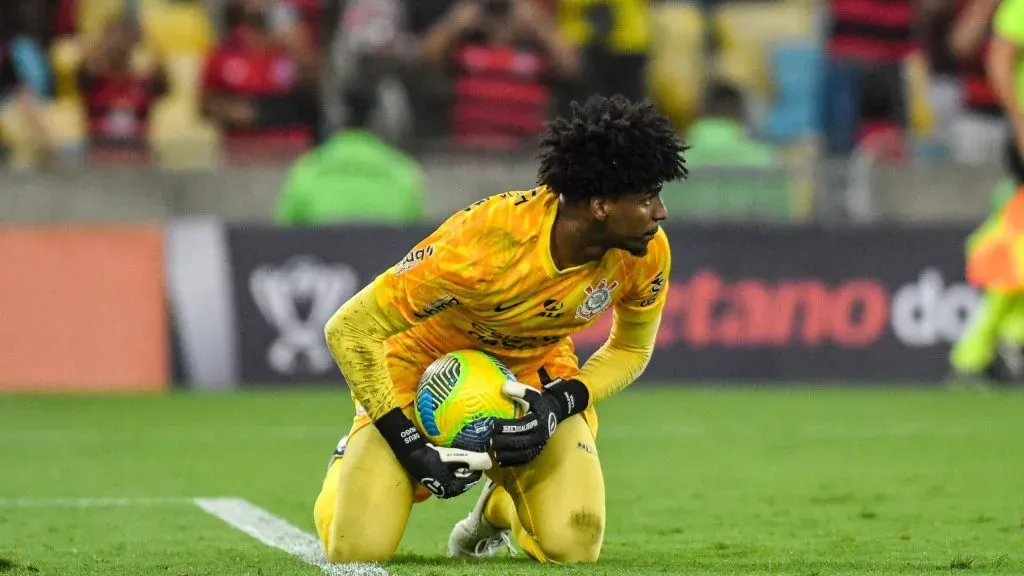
(518, 441)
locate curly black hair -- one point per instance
(610, 147)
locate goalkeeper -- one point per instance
(513, 275)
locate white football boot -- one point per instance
(474, 536)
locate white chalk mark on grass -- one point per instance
(92, 502)
(278, 533)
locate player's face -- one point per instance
(632, 221)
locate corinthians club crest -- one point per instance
(599, 298)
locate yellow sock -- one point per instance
(499, 510)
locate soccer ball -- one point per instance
(459, 397)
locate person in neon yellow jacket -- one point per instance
(355, 176)
(995, 251)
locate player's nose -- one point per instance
(660, 212)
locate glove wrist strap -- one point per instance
(572, 397)
(400, 433)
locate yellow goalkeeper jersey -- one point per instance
(486, 279)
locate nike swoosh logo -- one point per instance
(500, 308)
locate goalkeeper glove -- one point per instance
(447, 472)
(517, 442)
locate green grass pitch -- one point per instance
(817, 481)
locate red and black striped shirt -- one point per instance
(118, 104)
(501, 100)
(874, 30)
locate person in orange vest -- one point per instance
(995, 251)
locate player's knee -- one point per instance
(344, 550)
(578, 539)
(344, 544)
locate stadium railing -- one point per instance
(802, 191)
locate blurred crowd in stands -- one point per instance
(195, 83)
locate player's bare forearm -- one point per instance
(1001, 67)
(971, 28)
(622, 359)
(355, 336)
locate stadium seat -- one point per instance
(66, 54)
(795, 107)
(746, 33)
(177, 28)
(180, 139)
(64, 119)
(677, 59)
(183, 75)
(93, 15)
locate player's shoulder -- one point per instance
(659, 247)
(503, 221)
(514, 210)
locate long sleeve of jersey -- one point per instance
(435, 275)
(355, 336)
(623, 358)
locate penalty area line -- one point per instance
(278, 533)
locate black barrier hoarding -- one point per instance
(797, 304)
(288, 282)
(768, 304)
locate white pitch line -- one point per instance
(278, 533)
(91, 502)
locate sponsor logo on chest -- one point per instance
(552, 309)
(436, 306)
(413, 259)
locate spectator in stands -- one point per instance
(980, 132)
(255, 87)
(720, 136)
(292, 24)
(865, 36)
(354, 176)
(65, 18)
(372, 33)
(119, 81)
(502, 55)
(881, 133)
(739, 175)
(289, 25)
(945, 88)
(25, 81)
(308, 17)
(614, 38)
(38, 20)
